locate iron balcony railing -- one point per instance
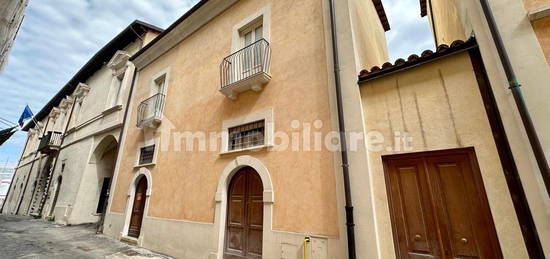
(252, 60)
(150, 109)
(49, 142)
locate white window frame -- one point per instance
(265, 115)
(166, 74)
(116, 93)
(262, 16)
(143, 144)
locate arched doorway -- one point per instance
(138, 208)
(245, 215)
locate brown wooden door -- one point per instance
(138, 208)
(438, 206)
(244, 225)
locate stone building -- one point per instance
(11, 17)
(65, 169)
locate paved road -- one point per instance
(24, 237)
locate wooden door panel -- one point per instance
(440, 194)
(413, 211)
(235, 240)
(138, 208)
(456, 210)
(244, 230)
(467, 231)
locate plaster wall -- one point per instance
(446, 21)
(305, 185)
(531, 67)
(368, 34)
(440, 107)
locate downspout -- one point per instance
(343, 143)
(515, 87)
(99, 228)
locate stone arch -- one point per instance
(107, 143)
(142, 172)
(221, 199)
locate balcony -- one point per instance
(50, 142)
(150, 111)
(246, 69)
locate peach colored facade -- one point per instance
(184, 192)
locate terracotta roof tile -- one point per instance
(414, 60)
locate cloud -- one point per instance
(59, 36)
(56, 39)
(410, 33)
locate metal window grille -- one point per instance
(247, 135)
(146, 155)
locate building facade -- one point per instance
(68, 160)
(11, 17)
(204, 171)
(454, 107)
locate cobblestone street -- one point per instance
(24, 237)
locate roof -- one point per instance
(414, 60)
(423, 8)
(128, 35)
(170, 28)
(381, 14)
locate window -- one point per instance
(117, 89)
(146, 155)
(159, 84)
(247, 135)
(252, 54)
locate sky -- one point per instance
(58, 37)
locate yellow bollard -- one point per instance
(306, 241)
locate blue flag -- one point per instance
(27, 113)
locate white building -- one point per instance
(65, 170)
(11, 17)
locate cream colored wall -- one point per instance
(448, 27)
(304, 182)
(440, 106)
(149, 36)
(531, 67)
(368, 34)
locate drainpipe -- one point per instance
(515, 87)
(343, 143)
(99, 228)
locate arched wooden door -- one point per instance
(138, 208)
(245, 214)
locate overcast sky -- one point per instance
(58, 37)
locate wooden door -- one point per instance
(438, 206)
(138, 208)
(244, 224)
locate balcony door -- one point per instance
(438, 206)
(252, 55)
(154, 107)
